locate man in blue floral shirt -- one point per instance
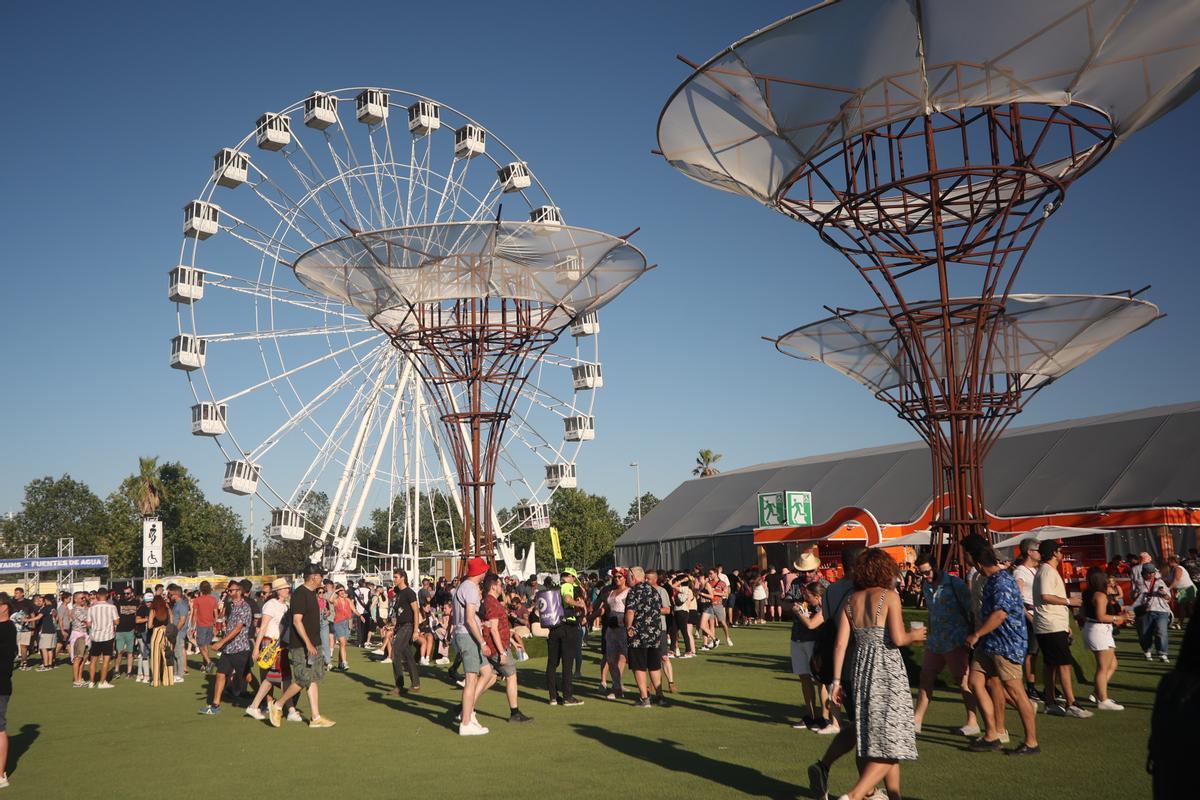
(234, 646)
(997, 669)
(949, 601)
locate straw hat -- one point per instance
(807, 563)
(279, 583)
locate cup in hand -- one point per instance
(917, 625)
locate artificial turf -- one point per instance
(727, 734)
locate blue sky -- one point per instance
(115, 113)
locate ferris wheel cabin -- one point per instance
(469, 141)
(514, 177)
(231, 167)
(286, 523)
(187, 352)
(371, 106)
(587, 376)
(208, 419)
(535, 516)
(185, 284)
(586, 325)
(568, 270)
(549, 216)
(579, 428)
(200, 219)
(424, 117)
(273, 131)
(560, 476)
(320, 110)
(241, 477)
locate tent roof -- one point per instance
(1150, 457)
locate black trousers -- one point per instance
(403, 657)
(561, 646)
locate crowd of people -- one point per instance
(987, 625)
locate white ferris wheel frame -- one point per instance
(361, 356)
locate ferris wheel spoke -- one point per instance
(316, 182)
(284, 333)
(276, 294)
(266, 244)
(288, 210)
(287, 374)
(349, 167)
(306, 411)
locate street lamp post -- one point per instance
(637, 477)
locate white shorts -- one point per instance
(1098, 636)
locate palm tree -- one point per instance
(148, 489)
(705, 464)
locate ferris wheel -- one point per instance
(302, 394)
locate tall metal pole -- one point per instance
(637, 477)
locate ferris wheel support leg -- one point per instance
(347, 539)
(351, 464)
(413, 544)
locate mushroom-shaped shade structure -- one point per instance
(563, 272)
(752, 118)
(1036, 339)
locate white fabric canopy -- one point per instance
(749, 118)
(1038, 337)
(915, 539)
(382, 272)
(1047, 532)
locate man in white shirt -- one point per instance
(1052, 623)
(102, 627)
(1024, 572)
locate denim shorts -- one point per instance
(472, 656)
(341, 630)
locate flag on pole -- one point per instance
(554, 543)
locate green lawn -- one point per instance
(728, 734)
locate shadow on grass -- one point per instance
(438, 712)
(18, 743)
(668, 754)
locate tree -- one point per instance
(705, 464)
(55, 508)
(649, 501)
(146, 491)
(199, 535)
(587, 528)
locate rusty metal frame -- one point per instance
(922, 206)
(482, 349)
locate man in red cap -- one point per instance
(468, 640)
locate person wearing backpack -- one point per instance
(948, 600)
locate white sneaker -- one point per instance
(729, 642)
(104, 685)
(386, 661)
(424, 662)
(471, 729)
(1004, 737)
(294, 715)
(1109, 705)
(879, 794)
(828, 730)
(967, 730)
(255, 713)
(1077, 712)
(178, 679)
(1149, 656)
(3, 781)
(91, 685)
(1163, 658)
(377, 652)
(442, 661)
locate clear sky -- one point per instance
(114, 114)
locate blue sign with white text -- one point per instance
(51, 564)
